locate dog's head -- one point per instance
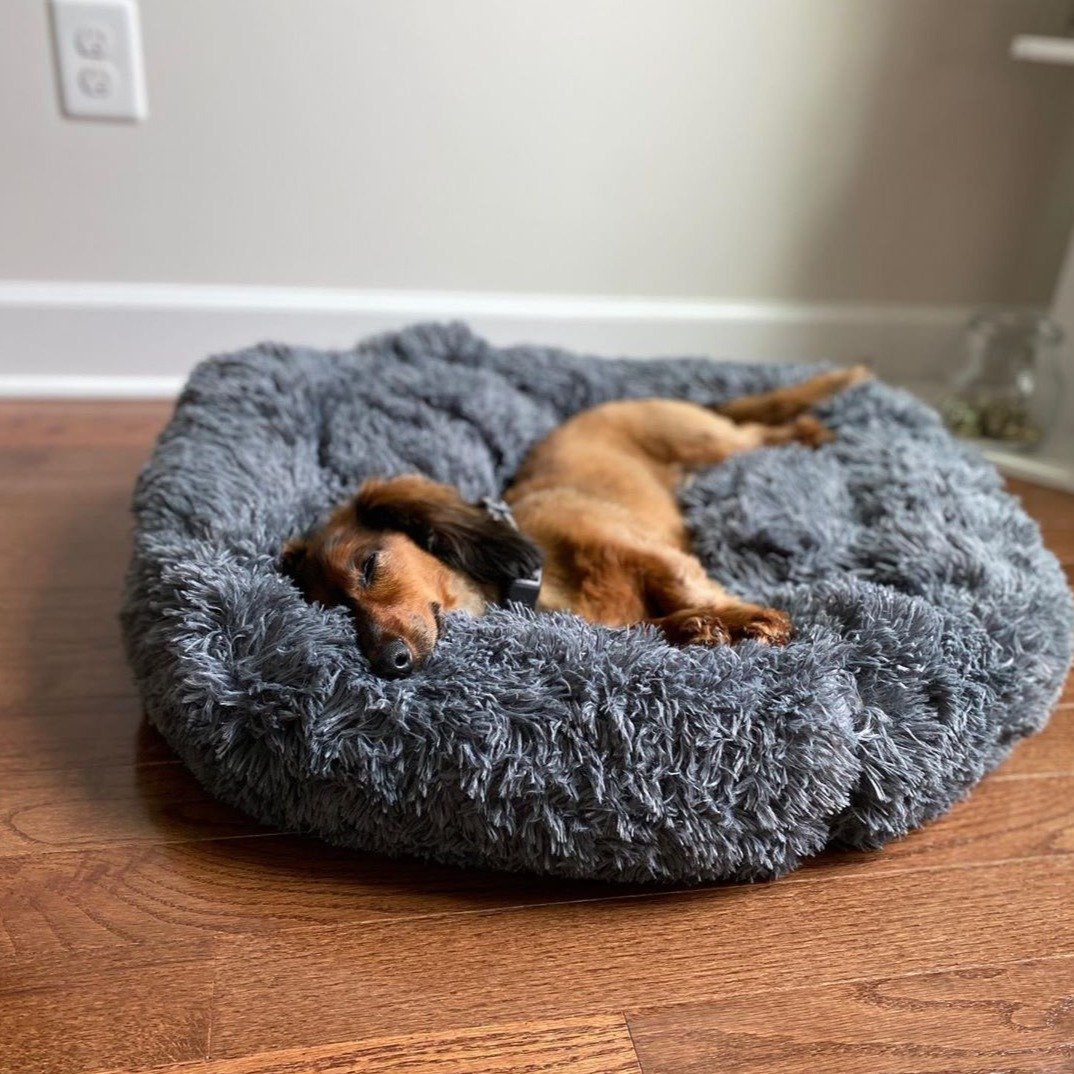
(392, 556)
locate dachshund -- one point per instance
(594, 502)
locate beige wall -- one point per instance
(830, 150)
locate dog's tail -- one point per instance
(785, 404)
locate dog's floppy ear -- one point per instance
(292, 557)
(463, 536)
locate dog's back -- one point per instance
(598, 495)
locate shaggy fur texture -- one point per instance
(934, 630)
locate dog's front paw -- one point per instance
(726, 624)
(754, 623)
(695, 626)
(810, 431)
(767, 625)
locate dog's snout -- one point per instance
(393, 660)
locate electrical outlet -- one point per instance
(98, 47)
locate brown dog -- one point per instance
(595, 500)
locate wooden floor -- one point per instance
(142, 925)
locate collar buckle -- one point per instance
(522, 591)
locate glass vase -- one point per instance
(1008, 388)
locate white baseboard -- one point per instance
(127, 341)
(87, 386)
(1050, 468)
(117, 339)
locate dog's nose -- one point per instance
(394, 660)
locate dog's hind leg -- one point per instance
(692, 437)
(606, 442)
(783, 404)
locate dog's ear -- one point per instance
(292, 557)
(463, 536)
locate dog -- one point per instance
(593, 507)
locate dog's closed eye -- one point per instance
(367, 569)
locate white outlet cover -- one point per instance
(98, 47)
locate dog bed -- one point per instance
(933, 630)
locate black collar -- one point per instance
(524, 591)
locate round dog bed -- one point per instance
(933, 630)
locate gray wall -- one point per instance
(774, 150)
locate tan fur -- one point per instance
(408, 591)
(597, 497)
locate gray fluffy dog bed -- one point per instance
(933, 629)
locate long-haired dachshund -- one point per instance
(594, 501)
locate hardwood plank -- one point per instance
(155, 893)
(315, 986)
(1053, 510)
(1017, 1018)
(43, 812)
(1001, 820)
(150, 1007)
(112, 876)
(142, 894)
(41, 734)
(1050, 752)
(62, 560)
(597, 1045)
(54, 471)
(82, 423)
(67, 647)
(77, 537)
